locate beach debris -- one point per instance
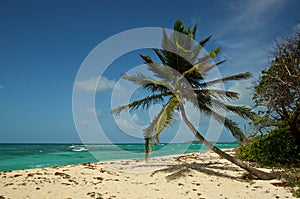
(108, 172)
(98, 178)
(8, 184)
(280, 184)
(75, 182)
(89, 165)
(64, 183)
(187, 156)
(195, 183)
(96, 195)
(92, 194)
(64, 175)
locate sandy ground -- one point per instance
(202, 175)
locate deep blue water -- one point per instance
(25, 156)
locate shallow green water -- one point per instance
(25, 156)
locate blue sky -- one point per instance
(43, 44)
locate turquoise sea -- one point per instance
(25, 156)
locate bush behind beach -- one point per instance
(277, 148)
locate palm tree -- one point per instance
(179, 79)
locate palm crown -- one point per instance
(181, 77)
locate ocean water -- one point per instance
(26, 156)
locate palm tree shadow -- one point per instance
(184, 168)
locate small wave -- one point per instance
(79, 149)
(75, 146)
(40, 165)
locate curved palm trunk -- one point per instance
(260, 174)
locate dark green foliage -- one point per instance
(294, 182)
(278, 148)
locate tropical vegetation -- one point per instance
(278, 121)
(277, 99)
(278, 92)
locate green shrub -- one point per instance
(276, 148)
(294, 182)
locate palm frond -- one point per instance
(213, 53)
(221, 106)
(205, 62)
(179, 51)
(203, 71)
(235, 130)
(195, 53)
(163, 72)
(193, 69)
(162, 120)
(160, 56)
(155, 88)
(242, 111)
(143, 103)
(197, 48)
(240, 76)
(145, 81)
(203, 65)
(147, 59)
(178, 26)
(204, 41)
(229, 124)
(160, 71)
(215, 93)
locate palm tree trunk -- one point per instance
(260, 174)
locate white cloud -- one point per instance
(125, 124)
(84, 123)
(244, 36)
(121, 91)
(131, 125)
(89, 85)
(98, 112)
(135, 117)
(129, 122)
(251, 15)
(2, 86)
(245, 91)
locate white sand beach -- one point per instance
(186, 176)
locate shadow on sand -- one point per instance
(183, 169)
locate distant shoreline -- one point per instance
(52, 143)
